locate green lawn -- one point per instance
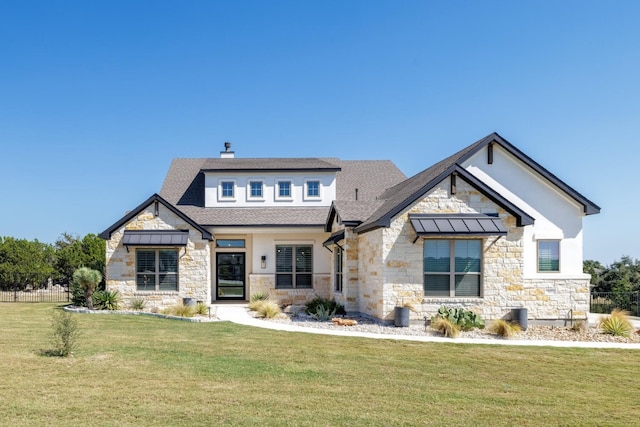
(137, 370)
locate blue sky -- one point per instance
(97, 97)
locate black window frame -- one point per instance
(338, 270)
(451, 273)
(293, 278)
(156, 275)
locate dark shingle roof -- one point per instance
(268, 164)
(408, 192)
(184, 187)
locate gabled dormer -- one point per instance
(284, 182)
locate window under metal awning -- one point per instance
(155, 237)
(457, 224)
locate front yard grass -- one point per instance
(137, 370)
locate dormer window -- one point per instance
(312, 189)
(255, 189)
(283, 190)
(227, 190)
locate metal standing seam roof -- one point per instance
(155, 237)
(472, 224)
(334, 238)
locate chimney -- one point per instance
(227, 153)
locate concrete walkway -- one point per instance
(237, 313)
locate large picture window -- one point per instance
(294, 266)
(157, 269)
(452, 268)
(549, 256)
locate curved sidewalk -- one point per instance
(237, 313)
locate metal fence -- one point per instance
(605, 302)
(32, 288)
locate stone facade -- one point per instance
(267, 283)
(390, 267)
(194, 280)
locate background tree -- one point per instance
(25, 263)
(87, 279)
(73, 253)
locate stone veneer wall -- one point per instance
(267, 283)
(391, 273)
(194, 278)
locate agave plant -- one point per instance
(616, 324)
(106, 300)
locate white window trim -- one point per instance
(255, 198)
(306, 189)
(222, 198)
(277, 190)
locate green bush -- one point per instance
(616, 324)
(106, 300)
(466, 320)
(323, 314)
(329, 305)
(65, 333)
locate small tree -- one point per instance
(87, 280)
(65, 334)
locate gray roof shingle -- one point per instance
(184, 187)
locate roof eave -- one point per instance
(106, 234)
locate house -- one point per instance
(487, 228)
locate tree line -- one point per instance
(622, 275)
(31, 263)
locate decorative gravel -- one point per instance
(548, 333)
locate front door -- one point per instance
(230, 280)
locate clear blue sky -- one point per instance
(97, 97)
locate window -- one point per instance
(157, 270)
(226, 189)
(549, 256)
(284, 189)
(294, 266)
(452, 268)
(338, 257)
(255, 189)
(313, 188)
(230, 243)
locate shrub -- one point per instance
(202, 308)
(106, 300)
(65, 333)
(87, 280)
(183, 310)
(446, 327)
(260, 296)
(328, 304)
(504, 328)
(323, 314)
(616, 324)
(264, 308)
(466, 320)
(137, 303)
